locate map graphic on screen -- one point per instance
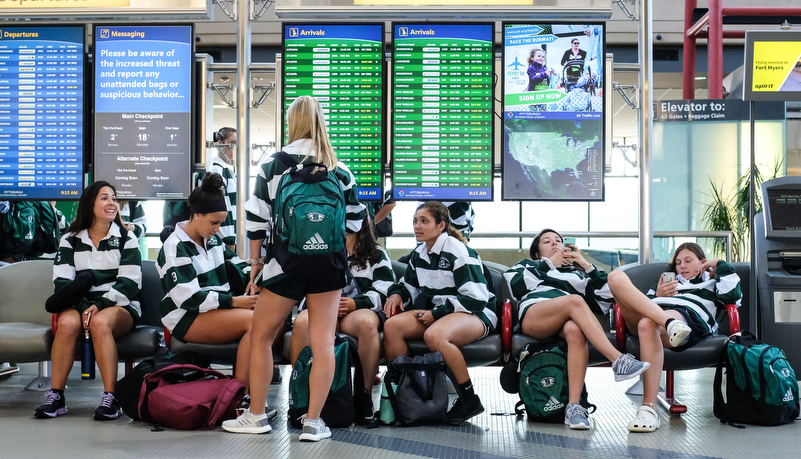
(553, 112)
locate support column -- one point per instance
(242, 123)
(688, 84)
(715, 49)
(646, 48)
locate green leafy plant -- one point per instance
(730, 212)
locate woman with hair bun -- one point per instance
(205, 301)
(443, 298)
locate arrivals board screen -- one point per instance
(342, 66)
(442, 112)
(41, 112)
(553, 117)
(143, 110)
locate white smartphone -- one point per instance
(668, 277)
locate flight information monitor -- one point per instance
(342, 66)
(442, 112)
(143, 110)
(41, 112)
(553, 117)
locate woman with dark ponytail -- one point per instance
(443, 298)
(205, 301)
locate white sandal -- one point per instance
(646, 420)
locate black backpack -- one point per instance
(129, 387)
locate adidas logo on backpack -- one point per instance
(788, 397)
(315, 243)
(553, 404)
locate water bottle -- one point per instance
(87, 357)
(386, 413)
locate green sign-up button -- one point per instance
(536, 97)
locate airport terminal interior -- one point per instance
(578, 150)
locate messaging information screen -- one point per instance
(143, 105)
(342, 67)
(41, 112)
(442, 112)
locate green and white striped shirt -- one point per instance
(534, 281)
(462, 216)
(260, 206)
(228, 227)
(703, 296)
(451, 277)
(374, 281)
(135, 216)
(194, 278)
(116, 266)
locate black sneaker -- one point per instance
(109, 408)
(270, 412)
(277, 379)
(368, 413)
(462, 411)
(54, 405)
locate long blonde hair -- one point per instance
(305, 120)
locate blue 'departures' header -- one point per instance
(478, 32)
(369, 32)
(50, 34)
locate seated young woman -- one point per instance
(361, 307)
(97, 274)
(205, 301)
(673, 314)
(444, 298)
(559, 292)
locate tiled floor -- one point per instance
(495, 434)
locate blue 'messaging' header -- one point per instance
(180, 34)
(370, 32)
(479, 32)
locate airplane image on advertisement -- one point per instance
(516, 64)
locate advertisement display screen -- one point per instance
(772, 65)
(442, 112)
(41, 112)
(342, 66)
(553, 115)
(143, 110)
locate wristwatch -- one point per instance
(255, 261)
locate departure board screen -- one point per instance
(143, 110)
(553, 117)
(342, 66)
(442, 112)
(41, 112)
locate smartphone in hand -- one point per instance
(668, 277)
(570, 243)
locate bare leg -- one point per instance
(449, 335)
(221, 326)
(269, 315)
(578, 356)
(363, 324)
(547, 318)
(300, 336)
(399, 328)
(323, 309)
(62, 353)
(106, 325)
(633, 303)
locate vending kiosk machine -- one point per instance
(777, 232)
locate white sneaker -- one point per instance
(248, 422)
(646, 420)
(314, 430)
(677, 331)
(626, 367)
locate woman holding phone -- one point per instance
(559, 292)
(674, 314)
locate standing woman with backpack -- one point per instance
(280, 290)
(558, 293)
(97, 274)
(443, 298)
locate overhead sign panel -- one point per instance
(41, 112)
(442, 112)
(553, 116)
(143, 110)
(342, 66)
(772, 66)
(121, 9)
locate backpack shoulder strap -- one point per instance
(227, 396)
(285, 159)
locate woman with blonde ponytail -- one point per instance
(280, 291)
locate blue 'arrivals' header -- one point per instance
(478, 32)
(370, 32)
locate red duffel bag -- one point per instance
(189, 397)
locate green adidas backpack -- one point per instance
(543, 383)
(309, 219)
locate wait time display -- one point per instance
(342, 67)
(442, 112)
